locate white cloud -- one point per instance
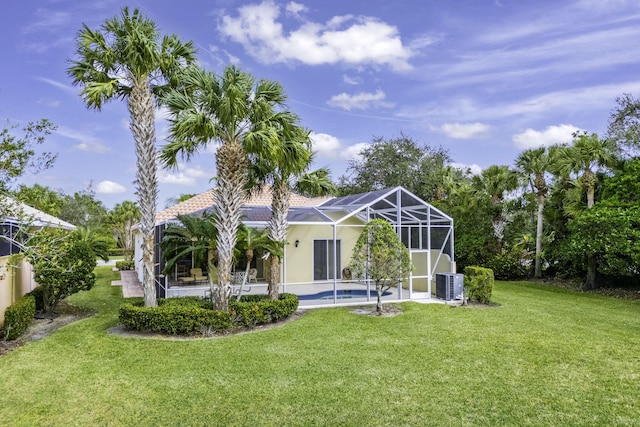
(352, 152)
(109, 187)
(59, 85)
(531, 138)
(92, 147)
(325, 145)
(183, 175)
(295, 8)
(351, 80)
(48, 21)
(359, 101)
(464, 130)
(473, 168)
(87, 141)
(343, 39)
(54, 103)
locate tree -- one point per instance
(82, 209)
(495, 181)
(240, 115)
(121, 220)
(18, 154)
(584, 158)
(41, 197)
(624, 123)
(379, 256)
(172, 201)
(249, 241)
(126, 60)
(194, 236)
(397, 161)
(62, 264)
(534, 164)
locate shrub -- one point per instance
(253, 310)
(190, 315)
(125, 265)
(478, 283)
(511, 265)
(184, 316)
(18, 317)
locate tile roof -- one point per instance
(207, 199)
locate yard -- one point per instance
(544, 356)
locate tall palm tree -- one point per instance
(250, 240)
(121, 219)
(495, 181)
(584, 159)
(535, 164)
(234, 112)
(286, 160)
(125, 59)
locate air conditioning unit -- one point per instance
(450, 286)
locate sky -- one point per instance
(484, 79)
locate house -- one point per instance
(321, 236)
(17, 280)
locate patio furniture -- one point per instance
(197, 275)
(253, 275)
(238, 277)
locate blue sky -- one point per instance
(483, 78)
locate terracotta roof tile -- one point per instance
(207, 199)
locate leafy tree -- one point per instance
(624, 123)
(495, 181)
(399, 161)
(172, 201)
(239, 115)
(583, 159)
(82, 209)
(98, 245)
(121, 220)
(18, 154)
(126, 59)
(380, 256)
(62, 263)
(42, 198)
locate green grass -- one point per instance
(545, 356)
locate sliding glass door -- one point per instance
(323, 260)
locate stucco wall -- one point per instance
(14, 283)
(299, 260)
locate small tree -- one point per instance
(63, 264)
(380, 256)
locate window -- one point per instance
(323, 259)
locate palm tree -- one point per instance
(126, 60)
(230, 110)
(284, 168)
(250, 240)
(495, 181)
(584, 159)
(98, 245)
(534, 164)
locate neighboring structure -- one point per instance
(17, 280)
(321, 236)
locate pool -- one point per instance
(342, 294)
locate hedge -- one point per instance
(38, 294)
(191, 315)
(253, 310)
(125, 265)
(18, 317)
(478, 283)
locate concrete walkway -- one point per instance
(131, 286)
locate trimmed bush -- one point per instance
(18, 317)
(191, 315)
(253, 310)
(183, 317)
(478, 283)
(511, 265)
(125, 265)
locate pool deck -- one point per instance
(131, 287)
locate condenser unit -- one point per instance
(449, 286)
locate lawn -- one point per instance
(544, 356)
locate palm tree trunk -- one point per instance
(232, 163)
(538, 264)
(278, 230)
(142, 111)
